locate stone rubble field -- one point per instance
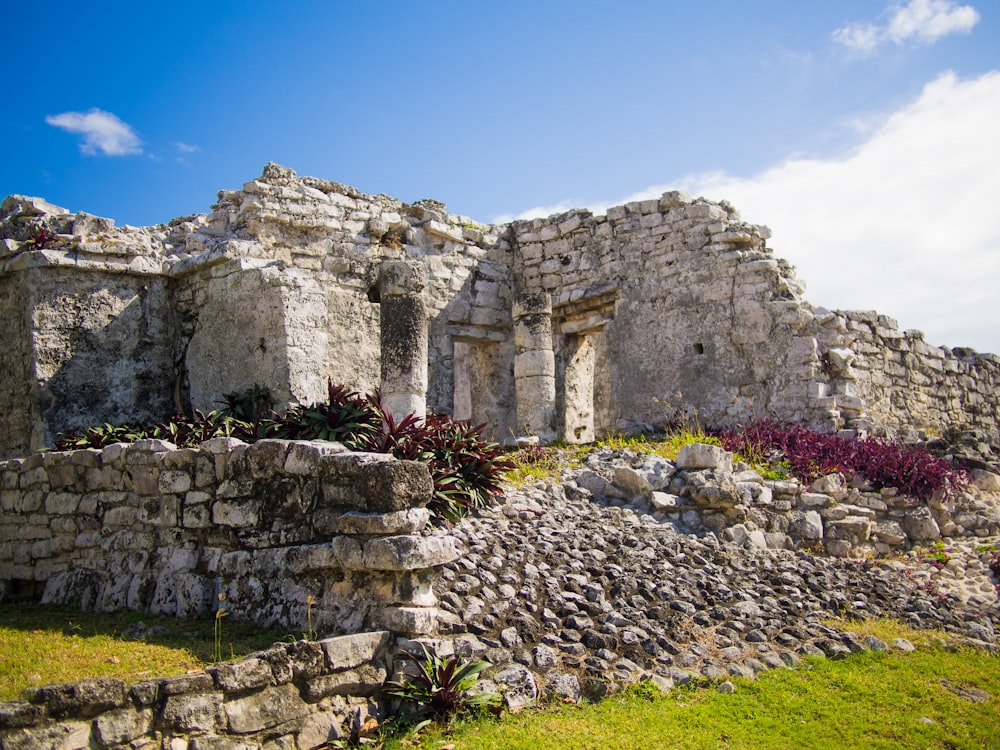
(569, 591)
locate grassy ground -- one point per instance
(927, 699)
(941, 696)
(42, 645)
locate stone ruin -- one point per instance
(569, 327)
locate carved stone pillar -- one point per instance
(534, 365)
(403, 338)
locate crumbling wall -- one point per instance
(302, 695)
(703, 315)
(658, 306)
(269, 525)
(894, 381)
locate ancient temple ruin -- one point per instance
(565, 327)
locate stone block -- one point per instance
(303, 456)
(393, 486)
(62, 503)
(372, 524)
(63, 735)
(264, 709)
(632, 482)
(245, 674)
(17, 714)
(807, 524)
(241, 514)
(408, 552)
(704, 456)
(267, 457)
(366, 680)
(920, 525)
(174, 482)
(123, 725)
(81, 699)
(192, 712)
(350, 651)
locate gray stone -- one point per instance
(517, 685)
(265, 709)
(704, 456)
(920, 525)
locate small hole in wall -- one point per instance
(373, 294)
(565, 260)
(698, 348)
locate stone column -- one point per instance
(403, 338)
(534, 365)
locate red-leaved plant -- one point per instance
(912, 469)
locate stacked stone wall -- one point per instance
(658, 306)
(896, 382)
(299, 695)
(271, 526)
(705, 317)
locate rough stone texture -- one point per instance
(543, 324)
(150, 527)
(234, 706)
(583, 590)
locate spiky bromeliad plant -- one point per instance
(435, 688)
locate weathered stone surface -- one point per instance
(703, 456)
(372, 524)
(242, 675)
(81, 699)
(123, 725)
(194, 712)
(66, 735)
(518, 686)
(920, 525)
(408, 552)
(349, 651)
(265, 709)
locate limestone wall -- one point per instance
(84, 344)
(684, 305)
(658, 305)
(269, 525)
(18, 406)
(895, 380)
(300, 695)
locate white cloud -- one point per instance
(919, 21)
(538, 211)
(103, 132)
(184, 148)
(906, 223)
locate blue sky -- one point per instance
(863, 132)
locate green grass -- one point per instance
(871, 700)
(564, 455)
(40, 645)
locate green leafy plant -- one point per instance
(345, 416)
(433, 688)
(250, 405)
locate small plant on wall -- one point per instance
(435, 688)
